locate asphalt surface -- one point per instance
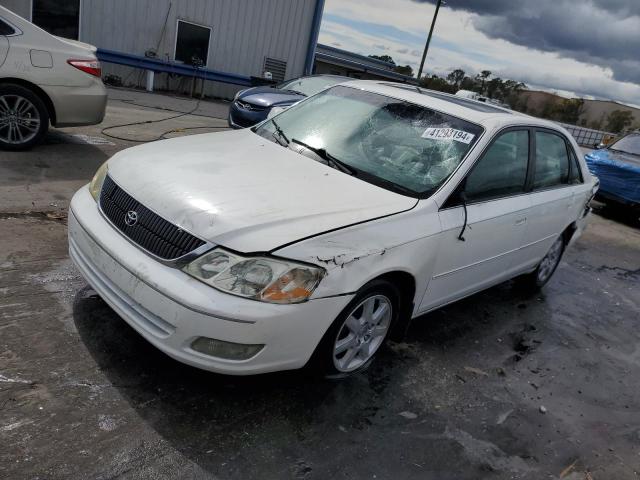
(502, 385)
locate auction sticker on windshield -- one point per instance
(448, 134)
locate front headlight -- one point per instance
(260, 278)
(96, 182)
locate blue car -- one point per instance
(252, 105)
(618, 168)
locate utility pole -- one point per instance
(426, 47)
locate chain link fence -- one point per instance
(588, 137)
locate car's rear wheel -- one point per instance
(356, 336)
(24, 118)
(547, 266)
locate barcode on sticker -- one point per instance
(448, 134)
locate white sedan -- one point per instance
(44, 79)
(316, 235)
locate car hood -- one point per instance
(247, 193)
(269, 96)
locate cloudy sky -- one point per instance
(587, 48)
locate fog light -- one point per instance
(226, 350)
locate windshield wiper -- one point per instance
(281, 135)
(327, 157)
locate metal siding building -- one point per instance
(244, 33)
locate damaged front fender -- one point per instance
(354, 256)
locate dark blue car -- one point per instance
(251, 106)
(617, 166)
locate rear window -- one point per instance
(576, 173)
(5, 28)
(552, 161)
(629, 144)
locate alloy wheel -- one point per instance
(550, 261)
(19, 119)
(362, 333)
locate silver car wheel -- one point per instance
(362, 333)
(550, 261)
(19, 119)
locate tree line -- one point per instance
(510, 92)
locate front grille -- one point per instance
(250, 106)
(150, 231)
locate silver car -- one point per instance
(44, 80)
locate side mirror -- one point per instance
(599, 146)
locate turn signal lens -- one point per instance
(296, 283)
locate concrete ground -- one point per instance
(502, 385)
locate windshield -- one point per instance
(311, 85)
(389, 142)
(628, 144)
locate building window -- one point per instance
(192, 43)
(58, 17)
(277, 68)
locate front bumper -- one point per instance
(242, 118)
(170, 309)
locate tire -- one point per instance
(24, 119)
(382, 300)
(537, 279)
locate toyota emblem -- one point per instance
(131, 218)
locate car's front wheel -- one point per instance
(355, 337)
(24, 118)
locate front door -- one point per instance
(497, 208)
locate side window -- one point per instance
(552, 162)
(502, 170)
(6, 29)
(576, 173)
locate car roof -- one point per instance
(318, 75)
(485, 114)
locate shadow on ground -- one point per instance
(59, 157)
(618, 213)
(292, 424)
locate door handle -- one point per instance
(521, 221)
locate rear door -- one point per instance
(554, 199)
(497, 206)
